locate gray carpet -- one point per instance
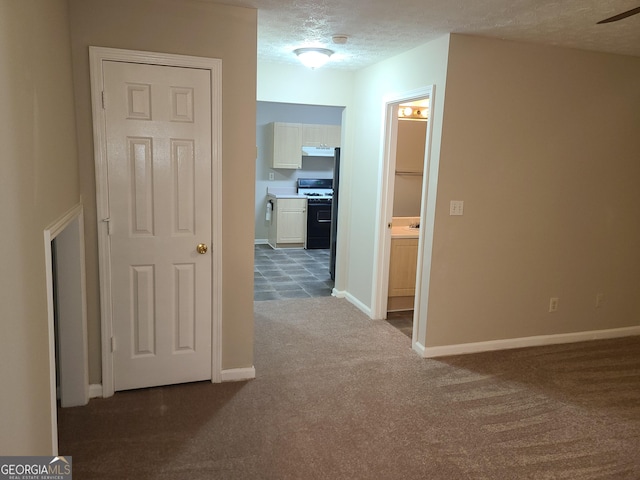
(338, 396)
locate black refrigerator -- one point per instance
(334, 214)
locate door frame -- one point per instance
(97, 56)
(382, 249)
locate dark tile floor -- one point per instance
(403, 321)
(291, 273)
(298, 273)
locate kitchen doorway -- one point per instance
(284, 273)
(401, 235)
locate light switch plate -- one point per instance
(456, 207)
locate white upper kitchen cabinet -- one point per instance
(321, 135)
(334, 135)
(289, 138)
(287, 145)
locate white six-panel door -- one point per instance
(158, 135)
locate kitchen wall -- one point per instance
(312, 167)
(38, 185)
(186, 27)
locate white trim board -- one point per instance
(228, 375)
(95, 390)
(69, 280)
(353, 300)
(98, 55)
(523, 342)
(418, 348)
(238, 374)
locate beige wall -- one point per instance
(190, 28)
(38, 184)
(542, 145)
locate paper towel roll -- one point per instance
(269, 209)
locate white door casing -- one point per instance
(159, 176)
(382, 249)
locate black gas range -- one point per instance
(319, 193)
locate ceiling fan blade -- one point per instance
(620, 16)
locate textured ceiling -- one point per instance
(379, 29)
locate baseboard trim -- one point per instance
(95, 390)
(238, 374)
(535, 341)
(261, 241)
(418, 348)
(230, 375)
(353, 300)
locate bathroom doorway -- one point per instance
(411, 140)
(402, 222)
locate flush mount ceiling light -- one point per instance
(340, 39)
(313, 57)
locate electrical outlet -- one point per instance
(272, 176)
(599, 300)
(553, 304)
(456, 207)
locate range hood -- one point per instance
(318, 151)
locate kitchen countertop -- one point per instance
(400, 227)
(404, 232)
(285, 195)
(283, 192)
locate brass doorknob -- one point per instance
(202, 248)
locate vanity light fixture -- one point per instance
(313, 57)
(413, 113)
